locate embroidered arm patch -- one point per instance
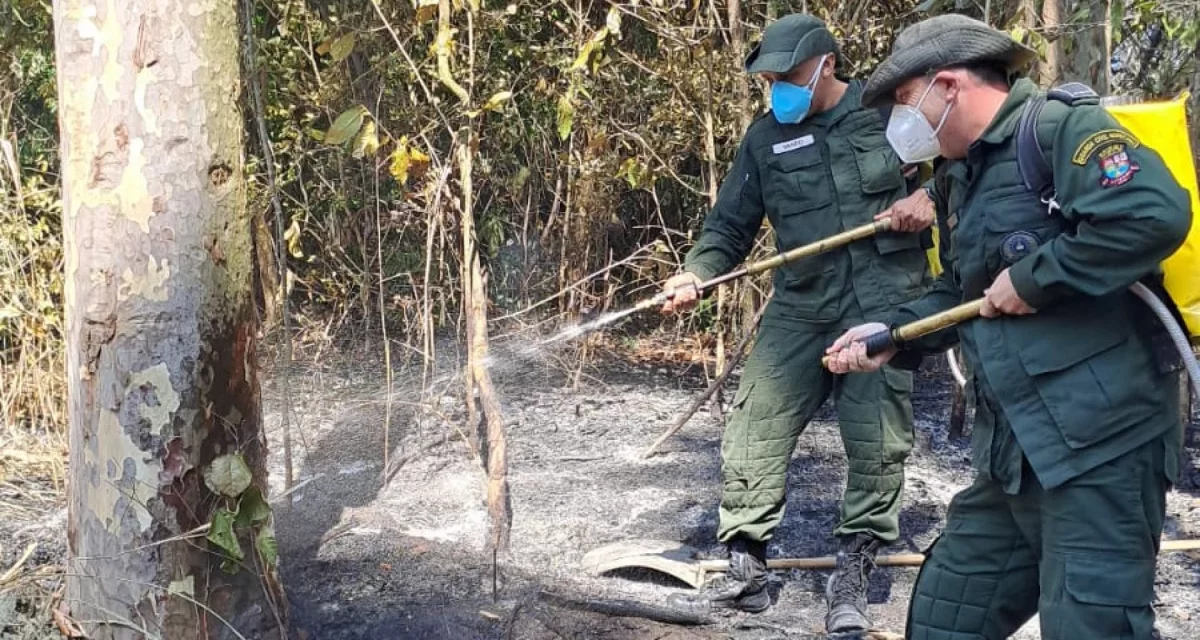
(1111, 148)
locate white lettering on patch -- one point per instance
(792, 145)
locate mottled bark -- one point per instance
(160, 347)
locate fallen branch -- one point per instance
(624, 608)
(716, 384)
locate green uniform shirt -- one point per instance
(831, 172)
(1075, 384)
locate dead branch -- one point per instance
(716, 384)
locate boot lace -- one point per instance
(853, 582)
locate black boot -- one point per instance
(846, 591)
(743, 587)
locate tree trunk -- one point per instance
(165, 421)
(1052, 23)
(475, 304)
(1084, 45)
(737, 39)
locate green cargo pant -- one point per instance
(782, 387)
(1081, 556)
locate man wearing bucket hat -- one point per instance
(1077, 433)
(816, 165)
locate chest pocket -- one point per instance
(878, 165)
(1015, 225)
(798, 181)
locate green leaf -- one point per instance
(228, 475)
(367, 142)
(613, 21)
(346, 126)
(292, 238)
(520, 179)
(585, 54)
(566, 116)
(341, 48)
(407, 158)
(497, 100)
(252, 508)
(268, 547)
(221, 534)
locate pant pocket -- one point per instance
(1105, 597)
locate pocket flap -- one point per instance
(870, 141)
(1110, 581)
(1054, 348)
(1015, 211)
(892, 242)
(794, 160)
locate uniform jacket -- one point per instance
(1076, 380)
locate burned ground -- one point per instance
(366, 559)
(406, 559)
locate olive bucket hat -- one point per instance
(940, 42)
(789, 41)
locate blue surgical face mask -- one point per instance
(790, 102)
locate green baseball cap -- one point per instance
(939, 42)
(789, 41)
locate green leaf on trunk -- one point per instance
(252, 508)
(221, 533)
(341, 48)
(228, 475)
(346, 126)
(267, 546)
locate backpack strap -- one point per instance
(1036, 173)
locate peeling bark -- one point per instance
(160, 347)
(478, 377)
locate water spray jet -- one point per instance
(816, 248)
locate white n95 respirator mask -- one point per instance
(911, 135)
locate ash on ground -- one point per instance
(401, 554)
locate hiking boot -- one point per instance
(846, 591)
(743, 587)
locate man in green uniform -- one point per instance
(816, 165)
(1077, 431)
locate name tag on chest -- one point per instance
(792, 145)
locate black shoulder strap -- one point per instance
(1036, 173)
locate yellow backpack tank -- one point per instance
(1162, 126)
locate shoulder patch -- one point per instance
(1116, 165)
(1103, 142)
